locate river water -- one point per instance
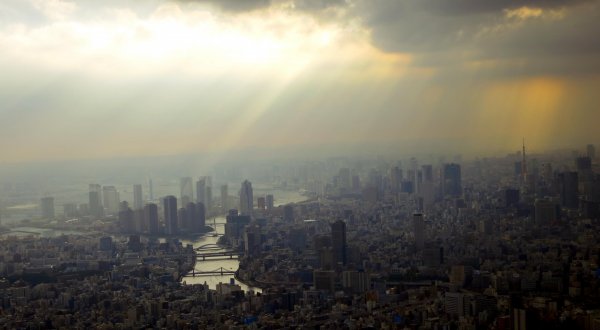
(227, 264)
(210, 265)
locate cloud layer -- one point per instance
(93, 79)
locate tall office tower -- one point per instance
(126, 219)
(246, 198)
(199, 220)
(184, 219)
(427, 190)
(270, 202)
(140, 225)
(419, 231)
(451, 180)
(170, 208)
(95, 201)
(288, 213)
(138, 203)
(110, 196)
(201, 191)
(568, 186)
(151, 218)
(261, 203)
(186, 188)
(395, 178)
(591, 151)
(208, 202)
(338, 241)
(47, 207)
(224, 198)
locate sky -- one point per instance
(131, 78)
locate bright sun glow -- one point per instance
(198, 40)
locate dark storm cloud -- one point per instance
(443, 33)
(474, 7)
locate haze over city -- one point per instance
(299, 164)
(91, 79)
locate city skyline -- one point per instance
(96, 81)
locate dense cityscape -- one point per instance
(299, 164)
(505, 243)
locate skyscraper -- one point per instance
(208, 197)
(138, 203)
(199, 220)
(170, 211)
(270, 202)
(224, 198)
(95, 201)
(451, 180)
(151, 218)
(201, 191)
(186, 190)
(419, 230)
(568, 185)
(246, 198)
(426, 187)
(338, 241)
(47, 207)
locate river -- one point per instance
(227, 264)
(209, 265)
